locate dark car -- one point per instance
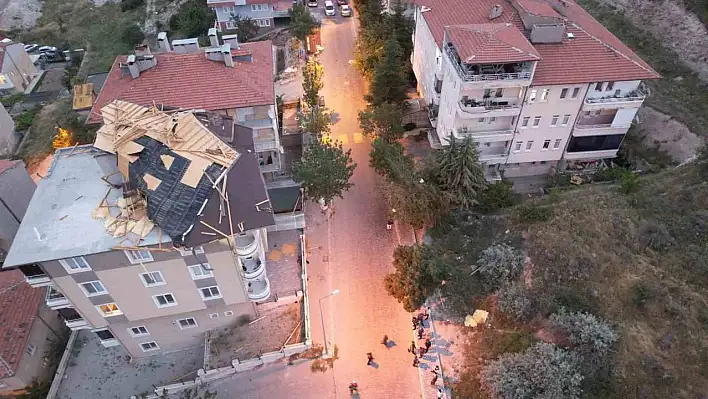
(342, 2)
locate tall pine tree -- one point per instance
(388, 84)
(459, 173)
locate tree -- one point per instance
(499, 264)
(459, 172)
(417, 202)
(246, 28)
(515, 301)
(324, 171)
(496, 196)
(302, 23)
(193, 18)
(589, 334)
(543, 371)
(132, 35)
(388, 83)
(383, 121)
(312, 74)
(315, 121)
(389, 160)
(402, 29)
(415, 277)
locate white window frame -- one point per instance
(93, 284)
(491, 120)
(529, 145)
(151, 348)
(157, 283)
(179, 323)
(134, 335)
(536, 121)
(610, 86)
(564, 93)
(65, 263)
(213, 315)
(599, 86)
(168, 305)
(209, 298)
(546, 145)
(229, 25)
(194, 269)
(566, 120)
(525, 122)
(136, 260)
(227, 9)
(532, 95)
(517, 146)
(117, 312)
(545, 94)
(259, 7)
(480, 120)
(554, 120)
(576, 91)
(188, 251)
(263, 22)
(557, 144)
(31, 349)
(229, 313)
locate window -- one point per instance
(487, 93)
(610, 86)
(93, 288)
(576, 91)
(263, 22)
(557, 144)
(536, 121)
(598, 112)
(213, 315)
(492, 119)
(499, 93)
(598, 86)
(525, 121)
(164, 300)
(566, 119)
(564, 93)
(149, 346)
(546, 144)
(517, 146)
(230, 25)
(30, 349)
(209, 293)
(75, 265)
(529, 144)
(480, 120)
(139, 256)
(554, 120)
(259, 7)
(532, 96)
(229, 313)
(152, 279)
(139, 331)
(200, 272)
(587, 113)
(105, 335)
(544, 95)
(228, 9)
(185, 251)
(189, 322)
(109, 309)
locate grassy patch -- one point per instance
(81, 24)
(680, 93)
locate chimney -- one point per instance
(142, 49)
(232, 40)
(213, 38)
(185, 46)
(145, 62)
(226, 52)
(163, 43)
(496, 12)
(133, 67)
(213, 54)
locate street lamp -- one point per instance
(324, 333)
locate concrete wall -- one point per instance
(427, 58)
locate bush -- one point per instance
(25, 119)
(500, 264)
(415, 278)
(12, 99)
(496, 196)
(542, 371)
(132, 35)
(629, 183)
(588, 333)
(514, 300)
(127, 5)
(529, 213)
(409, 126)
(655, 236)
(641, 294)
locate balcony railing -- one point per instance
(38, 280)
(246, 244)
(76, 324)
(259, 290)
(474, 107)
(470, 77)
(630, 97)
(485, 133)
(55, 299)
(600, 126)
(252, 268)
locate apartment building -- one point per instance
(539, 84)
(263, 12)
(17, 71)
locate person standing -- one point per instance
(385, 341)
(435, 378)
(416, 362)
(427, 312)
(411, 348)
(428, 344)
(370, 358)
(421, 351)
(420, 332)
(414, 320)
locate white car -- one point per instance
(329, 8)
(312, 3)
(48, 49)
(31, 47)
(345, 11)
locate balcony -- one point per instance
(246, 244)
(433, 110)
(55, 299)
(513, 75)
(38, 280)
(76, 324)
(493, 156)
(258, 290)
(252, 267)
(472, 109)
(485, 136)
(265, 140)
(633, 99)
(582, 130)
(599, 154)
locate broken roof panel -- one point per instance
(491, 43)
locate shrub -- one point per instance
(514, 300)
(529, 213)
(25, 119)
(409, 126)
(590, 334)
(641, 294)
(500, 264)
(132, 35)
(127, 5)
(655, 236)
(542, 371)
(496, 196)
(629, 183)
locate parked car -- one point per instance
(343, 2)
(48, 49)
(312, 3)
(345, 11)
(31, 47)
(329, 8)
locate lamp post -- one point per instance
(324, 333)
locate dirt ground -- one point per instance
(19, 14)
(267, 334)
(661, 131)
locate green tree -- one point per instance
(415, 277)
(132, 35)
(500, 264)
(459, 172)
(589, 334)
(246, 28)
(193, 18)
(315, 121)
(416, 202)
(383, 121)
(402, 29)
(389, 160)
(312, 74)
(388, 84)
(324, 171)
(302, 23)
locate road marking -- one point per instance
(343, 138)
(358, 138)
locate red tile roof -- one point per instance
(6, 164)
(18, 308)
(592, 55)
(538, 7)
(491, 43)
(192, 81)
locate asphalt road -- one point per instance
(350, 252)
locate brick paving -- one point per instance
(281, 262)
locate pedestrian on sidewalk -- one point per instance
(440, 393)
(370, 358)
(421, 317)
(389, 224)
(436, 370)
(427, 312)
(421, 352)
(414, 320)
(420, 332)
(385, 341)
(428, 344)
(416, 362)
(411, 348)
(435, 378)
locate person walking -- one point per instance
(414, 320)
(421, 351)
(420, 332)
(411, 348)
(416, 362)
(428, 344)
(370, 358)
(421, 317)
(427, 312)
(440, 393)
(435, 378)
(385, 341)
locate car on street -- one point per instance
(31, 47)
(312, 3)
(329, 8)
(343, 2)
(345, 11)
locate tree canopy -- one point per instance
(315, 121)
(193, 19)
(415, 277)
(324, 170)
(246, 28)
(388, 83)
(302, 23)
(389, 160)
(459, 173)
(312, 74)
(383, 121)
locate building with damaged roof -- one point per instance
(153, 233)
